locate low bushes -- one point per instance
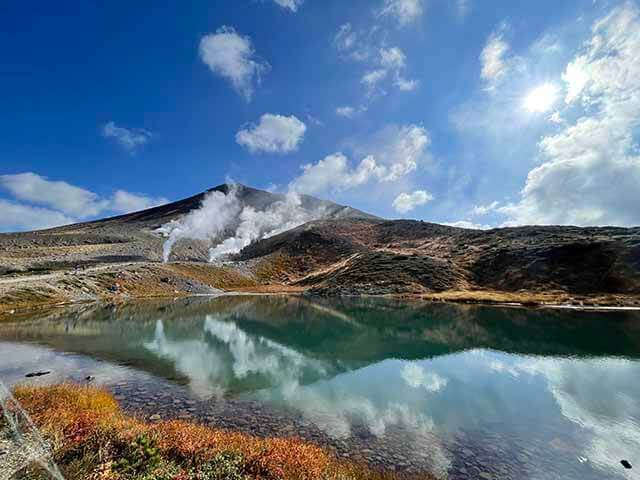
(93, 440)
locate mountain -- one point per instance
(133, 237)
(379, 257)
(340, 251)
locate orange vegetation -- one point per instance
(93, 439)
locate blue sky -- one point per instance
(448, 111)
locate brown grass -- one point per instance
(224, 278)
(531, 298)
(274, 268)
(91, 436)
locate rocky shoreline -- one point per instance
(474, 454)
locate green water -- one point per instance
(556, 393)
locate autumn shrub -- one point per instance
(93, 439)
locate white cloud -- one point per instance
(233, 57)
(383, 62)
(65, 203)
(405, 85)
(129, 139)
(346, 111)
(292, 5)
(405, 11)
(394, 153)
(391, 62)
(467, 224)
(333, 174)
(126, 202)
(405, 202)
(480, 210)
(372, 78)
(399, 149)
(274, 134)
(358, 46)
(16, 216)
(591, 169)
(492, 58)
(392, 58)
(59, 195)
(346, 38)
(555, 117)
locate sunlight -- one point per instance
(541, 98)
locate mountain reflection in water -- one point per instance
(426, 370)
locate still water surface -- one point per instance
(462, 391)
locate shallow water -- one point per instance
(461, 391)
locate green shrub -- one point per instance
(224, 466)
(140, 456)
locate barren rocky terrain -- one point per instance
(346, 252)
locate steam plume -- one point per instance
(221, 214)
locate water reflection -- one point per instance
(559, 388)
(223, 358)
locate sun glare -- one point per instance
(541, 98)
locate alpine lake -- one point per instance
(462, 391)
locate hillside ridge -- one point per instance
(342, 251)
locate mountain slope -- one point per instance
(364, 256)
(132, 237)
(344, 252)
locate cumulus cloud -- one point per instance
(292, 5)
(333, 173)
(479, 210)
(399, 149)
(126, 202)
(404, 11)
(394, 152)
(58, 195)
(493, 58)
(15, 216)
(591, 169)
(47, 203)
(273, 134)
(405, 202)
(233, 57)
(129, 139)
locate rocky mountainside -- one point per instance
(134, 237)
(343, 252)
(364, 256)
